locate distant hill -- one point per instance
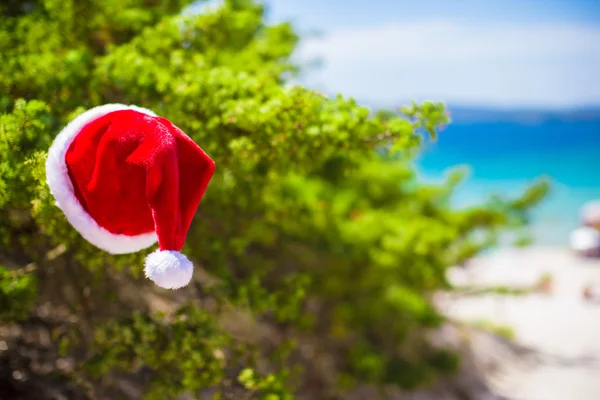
(472, 114)
(525, 116)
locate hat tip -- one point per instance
(168, 269)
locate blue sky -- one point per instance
(505, 53)
(333, 15)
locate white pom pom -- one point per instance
(169, 269)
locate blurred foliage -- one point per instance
(500, 290)
(316, 245)
(504, 331)
(17, 294)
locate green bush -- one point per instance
(317, 248)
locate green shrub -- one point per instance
(316, 246)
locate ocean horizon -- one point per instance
(506, 151)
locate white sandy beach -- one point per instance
(561, 328)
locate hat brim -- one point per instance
(61, 187)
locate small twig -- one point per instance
(56, 252)
(16, 273)
(381, 137)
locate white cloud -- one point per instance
(492, 64)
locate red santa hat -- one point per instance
(126, 178)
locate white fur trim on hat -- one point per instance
(61, 187)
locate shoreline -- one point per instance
(560, 326)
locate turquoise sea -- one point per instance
(506, 151)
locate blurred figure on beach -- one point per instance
(585, 240)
